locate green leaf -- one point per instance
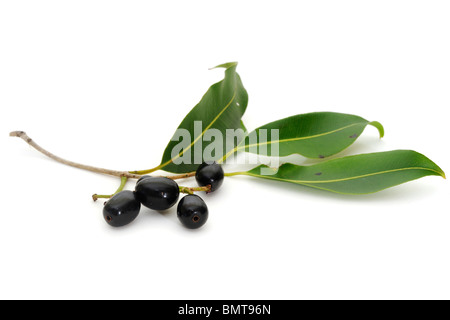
(312, 135)
(221, 108)
(360, 174)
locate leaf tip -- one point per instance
(225, 65)
(441, 173)
(379, 126)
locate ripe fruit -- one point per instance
(157, 193)
(143, 178)
(210, 174)
(192, 211)
(121, 209)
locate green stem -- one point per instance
(123, 182)
(142, 172)
(232, 174)
(176, 176)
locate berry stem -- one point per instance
(232, 174)
(123, 182)
(188, 190)
(27, 139)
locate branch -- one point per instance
(27, 139)
(181, 176)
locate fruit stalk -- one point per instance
(188, 190)
(123, 182)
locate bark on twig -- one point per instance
(27, 139)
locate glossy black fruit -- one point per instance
(143, 178)
(210, 174)
(157, 193)
(121, 209)
(192, 211)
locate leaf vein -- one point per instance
(344, 179)
(203, 132)
(301, 138)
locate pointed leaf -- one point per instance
(312, 135)
(221, 108)
(360, 174)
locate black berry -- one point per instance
(210, 174)
(143, 178)
(157, 193)
(121, 209)
(192, 211)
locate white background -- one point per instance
(107, 82)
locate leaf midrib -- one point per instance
(344, 179)
(302, 138)
(203, 132)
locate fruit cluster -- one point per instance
(160, 193)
